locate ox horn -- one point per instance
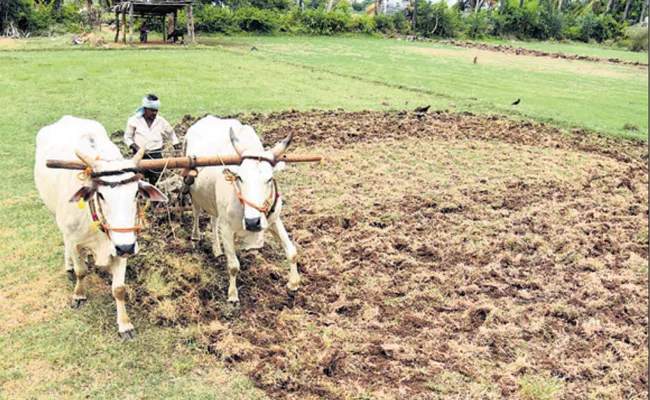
(83, 157)
(235, 143)
(138, 156)
(282, 146)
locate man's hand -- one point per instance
(135, 148)
(177, 150)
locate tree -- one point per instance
(627, 8)
(415, 14)
(643, 10)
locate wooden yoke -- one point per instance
(186, 162)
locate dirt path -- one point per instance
(442, 256)
(520, 51)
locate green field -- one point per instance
(50, 351)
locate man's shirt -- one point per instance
(137, 131)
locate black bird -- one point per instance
(516, 102)
(422, 109)
(254, 48)
(475, 58)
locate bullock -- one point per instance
(243, 201)
(96, 210)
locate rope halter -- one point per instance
(95, 179)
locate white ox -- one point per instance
(258, 205)
(113, 189)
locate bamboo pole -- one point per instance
(131, 24)
(184, 162)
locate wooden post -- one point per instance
(172, 23)
(164, 28)
(190, 23)
(131, 23)
(117, 24)
(124, 23)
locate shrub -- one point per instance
(437, 20)
(214, 19)
(598, 27)
(251, 19)
(400, 23)
(384, 24)
(361, 24)
(476, 25)
(637, 38)
(320, 22)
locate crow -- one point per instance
(475, 58)
(516, 102)
(254, 48)
(422, 109)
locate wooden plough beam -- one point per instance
(185, 162)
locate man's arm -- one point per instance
(129, 133)
(170, 135)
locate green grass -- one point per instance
(540, 388)
(583, 49)
(55, 352)
(597, 96)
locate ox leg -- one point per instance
(233, 262)
(80, 268)
(216, 242)
(196, 212)
(125, 327)
(277, 229)
(69, 264)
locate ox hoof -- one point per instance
(128, 335)
(71, 275)
(78, 303)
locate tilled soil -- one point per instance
(521, 51)
(442, 256)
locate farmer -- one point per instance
(148, 127)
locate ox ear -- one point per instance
(279, 167)
(150, 192)
(86, 192)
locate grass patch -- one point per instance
(541, 388)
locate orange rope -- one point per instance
(83, 175)
(232, 178)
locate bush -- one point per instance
(361, 24)
(476, 25)
(251, 19)
(598, 28)
(637, 38)
(384, 24)
(437, 20)
(214, 19)
(320, 22)
(400, 23)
